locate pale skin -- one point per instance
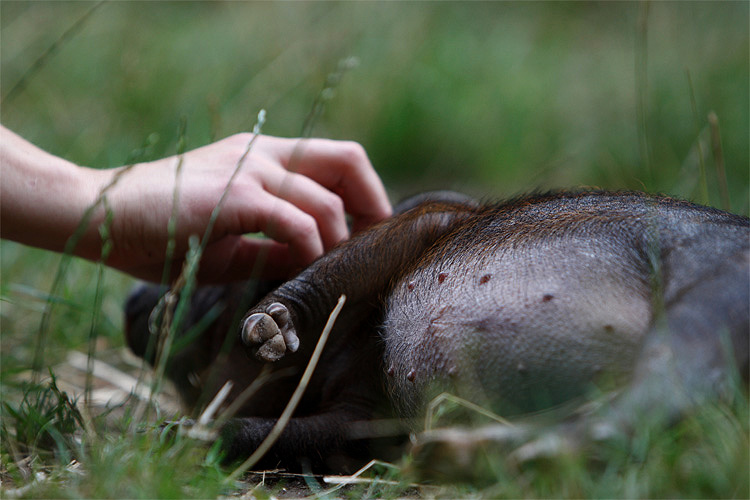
(296, 192)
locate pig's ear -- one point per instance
(451, 197)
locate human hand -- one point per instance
(296, 192)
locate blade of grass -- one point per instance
(174, 310)
(32, 294)
(213, 407)
(172, 224)
(341, 481)
(169, 254)
(326, 94)
(641, 81)
(240, 163)
(262, 379)
(106, 248)
(718, 153)
(445, 396)
(701, 162)
(67, 35)
(205, 428)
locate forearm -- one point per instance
(43, 198)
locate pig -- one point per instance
(518, 306)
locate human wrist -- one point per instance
(44, 198)
(89, 213)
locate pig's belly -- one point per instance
(521, 330)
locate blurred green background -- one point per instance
(495, 98)
(492, 98)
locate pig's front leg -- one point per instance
(270, 333)
(361, 268)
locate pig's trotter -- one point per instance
(270, 333)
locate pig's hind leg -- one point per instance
(695, 353)
(362, 269)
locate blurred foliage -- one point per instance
(493, 98)
(45, 420)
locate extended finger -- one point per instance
(281, 221)
(343, 167)
(324, 206)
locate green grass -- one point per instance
(490, 98)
